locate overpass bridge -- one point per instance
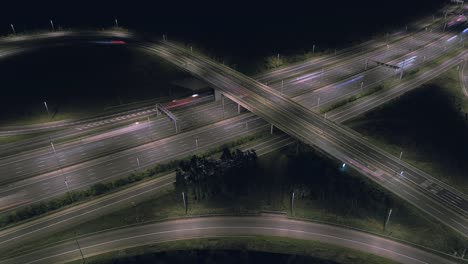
(433, 197)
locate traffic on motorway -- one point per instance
(289, 99)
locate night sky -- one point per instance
(254, 26)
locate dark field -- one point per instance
(215, 256)
(80, 79)
(429, 125)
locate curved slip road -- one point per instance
(206, 227)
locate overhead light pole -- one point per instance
(116, 22)
(185, 203)
(388, 219)
(52, 25)
(292, 203)
(47, 108)
(13, 29)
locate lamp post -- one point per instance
(292, 203)
(13, 28)
(388, 219)
(185, 203)
(116, 22)
(52, 25)
(69, 195)
(47, 108)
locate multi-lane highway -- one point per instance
(313, 84)
(45, 161)
(209, 227)
(62, 220)
(73, 216)
(438, 200)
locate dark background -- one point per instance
(249, 26)
(242, 33)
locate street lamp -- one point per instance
(13, 28)
(116, 23)
(185, 203)
(47, 108)
(292, 203)
(52, 25)
(388, 219)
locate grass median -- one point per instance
(96, 190)
(428, 126)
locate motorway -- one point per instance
(51, 181)
(73, 216)
(438, 200)
(445, 193)
(14, 45)
(210, 227)
(64, 219)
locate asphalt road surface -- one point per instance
(440, 201)
(65, 219)
(44, 161)
(208, 227)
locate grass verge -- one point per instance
(77, 196)
(308, 251)
(429, 125)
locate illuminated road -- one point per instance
(375, 164)
(64, 219)
(52, 183)
(400, 42)
(207, 227)
(47, 225)
(438, 200)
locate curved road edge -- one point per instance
(229, 226)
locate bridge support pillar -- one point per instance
(222, 102)
(271, 129)
(176, 127)
(218, 94)
(238, 108)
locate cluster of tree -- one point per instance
(206, 177)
